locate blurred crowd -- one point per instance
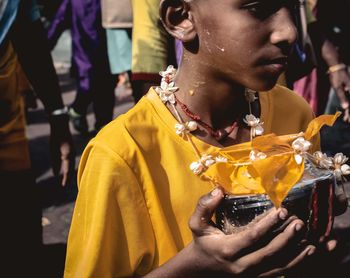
(124, 44)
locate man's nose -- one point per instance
(284, 28)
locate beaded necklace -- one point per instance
(166, 92)
(219, 134)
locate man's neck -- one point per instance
(217, 101)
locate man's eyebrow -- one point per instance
(251, 3)
(281, 2)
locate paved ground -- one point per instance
(58, 202)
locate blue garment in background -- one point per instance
(9, 10)
(119, 50)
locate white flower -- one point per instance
(167, 97)
(258, 130)
(255, 125)
(168, 87)
(340, 168)
(340, 158)
(336, 163)
(250, 95)
(180, 129)
(187, 127)
(198, 167)
(345, 169)
(208, 160)
(220, 158)
(300, 146)
(169, 73)
(298, 158)
(251, 120)
(166, 91)
(323, 160)
(256, 155)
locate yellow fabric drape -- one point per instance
(274, 175)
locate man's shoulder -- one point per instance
(288, 112)
(288, 100)
(128, 131)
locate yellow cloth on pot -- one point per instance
(274, 173)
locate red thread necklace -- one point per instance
(219, 134)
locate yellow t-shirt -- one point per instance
(136, 191)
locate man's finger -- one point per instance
(64, 171)
(272, 254)
(201, 218)
(294, 263)
(331, 245)
(260, 229)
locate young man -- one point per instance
(137, 192)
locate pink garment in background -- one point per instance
(307, 88)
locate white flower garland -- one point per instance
(166, 92)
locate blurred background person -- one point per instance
(316, 64)
(48, 9)
(117, 20)
(334, 21)
(95, 83)
(152, 48)
(23, 45)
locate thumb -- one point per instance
(200, 221)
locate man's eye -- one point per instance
(260, 9)
(264, 9)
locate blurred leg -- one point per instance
(21, 224)
(104, 99)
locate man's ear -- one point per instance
(177, 19)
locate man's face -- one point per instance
(245, 41)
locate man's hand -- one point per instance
(269, 246)
(340, 81)
(62, 149)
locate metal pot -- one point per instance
(311, 200)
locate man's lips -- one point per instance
(277, 65)
(278, 61)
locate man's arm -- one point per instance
(60, 22)
(30, 43)
(338, 76)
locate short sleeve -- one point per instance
(111, 233)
